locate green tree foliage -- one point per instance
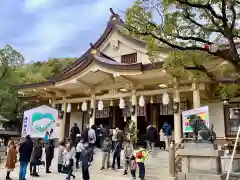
(188, 25)
(191, 28)
(10, 59)
(41, 70)
(13, 71)
(131, 132)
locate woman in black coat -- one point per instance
(36, 158)
(49, 151)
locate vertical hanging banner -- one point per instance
(202, 112)
(37, 121)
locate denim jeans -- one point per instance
(141, 170)
(23, 170)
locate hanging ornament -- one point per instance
(121, 103)
(78, 107)
(151, 100)
(69, 107)
(206, 46)
(165, 98)
(84, 106)
(213, 48)
(141, 101)
(50, 101)
(100, 105)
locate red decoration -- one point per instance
(206, 46)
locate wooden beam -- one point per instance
(124, 95)
(85, 85)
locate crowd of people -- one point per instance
(78, 151)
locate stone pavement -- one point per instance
(156, 168)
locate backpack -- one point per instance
(139, 154)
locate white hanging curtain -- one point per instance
(84, 106)
(100, 105)
(141, 101)
(121, 103)
(69, 108)
(165, 98)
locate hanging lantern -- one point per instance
(213, 48)
(151, 100)
(141, 101)
(165, 98)
(111, 103)
(50, 101)
(78, 107)
(100, 105)
(121, 103)
(84, 106)
(69, 107)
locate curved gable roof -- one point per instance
(114, 21)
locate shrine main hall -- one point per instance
(114, 82)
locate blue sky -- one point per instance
(40, 29)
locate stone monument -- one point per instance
(201, 160)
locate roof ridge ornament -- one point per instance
(114, 16)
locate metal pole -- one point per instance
(233, 153)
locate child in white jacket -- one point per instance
(79, 148)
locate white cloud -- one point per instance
(59, 24)
(32, 5)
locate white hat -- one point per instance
(78, 135)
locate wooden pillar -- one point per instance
(172, 165)
(196, 95)
(93, 106)
(177, 116)
(53, 104)
(63, 121)
(134, 103)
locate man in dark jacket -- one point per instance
(85, 134)
(25, 151)
(36, 158)
(151, 137)
(49, 150)
(73, 133)
(117, 149)
(87, 157)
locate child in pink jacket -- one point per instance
(133, 163)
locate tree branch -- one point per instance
(223, 10)
(201, 6)
(193, 38)
(234, 14)
(175, 46)
(212, 76)
(187, 16)
(214, 22)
